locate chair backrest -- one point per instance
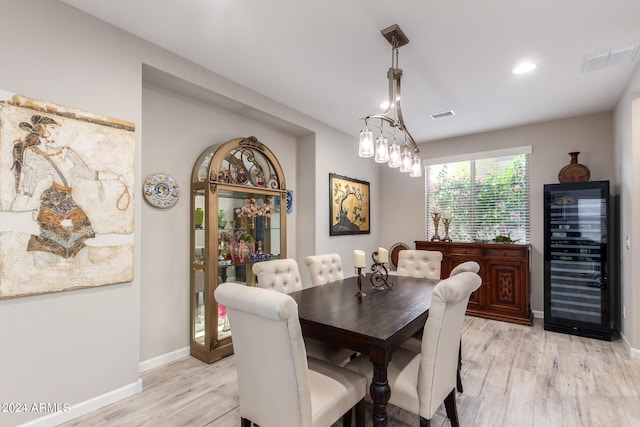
(419, 263)
(270, 356)
(324, 268)
(471, 266)
(441, 340)
(281, 275)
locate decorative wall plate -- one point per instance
(160, 190)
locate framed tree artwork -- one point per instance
(349, 207)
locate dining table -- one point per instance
(374, 324)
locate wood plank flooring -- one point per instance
(513, 376)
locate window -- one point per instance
(484, 197)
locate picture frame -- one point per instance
(349, 206)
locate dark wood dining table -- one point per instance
(375, 324)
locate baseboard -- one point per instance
(634, 353)
(87, 406)
(164, 359)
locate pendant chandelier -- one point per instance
(406, 157)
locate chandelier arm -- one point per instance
(398, 126)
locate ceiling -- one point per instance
(329, 60)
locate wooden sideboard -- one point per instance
(504, 268)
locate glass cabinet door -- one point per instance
(199, 276)
(576, 258)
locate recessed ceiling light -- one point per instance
(524, 67)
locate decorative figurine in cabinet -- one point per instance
(236, 188)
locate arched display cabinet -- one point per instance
(238, 219)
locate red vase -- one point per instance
(241, 251)
(574, 171)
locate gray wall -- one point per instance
(71, 346)
(627, 156)
(177, 129)
(85, 347)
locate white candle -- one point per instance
(436, 210)
(447, 215)
(358, 259)
(383, 255)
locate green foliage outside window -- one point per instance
(485, 198)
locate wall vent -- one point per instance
(611, 58)
(443, 114)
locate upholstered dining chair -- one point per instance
(471, 266)
(283, 275)
(422, 264)
(419, 263)
(420, 382)
(278, 385)
(414, 343)
(324, 268)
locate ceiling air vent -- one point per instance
(611, 58)
(443, 114)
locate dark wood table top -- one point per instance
(382, 319)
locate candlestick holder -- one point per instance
(379, 274)
(436, 225)
(360, 274)
(447, 222)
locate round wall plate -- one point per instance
(160, 190)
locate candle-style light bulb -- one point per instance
(405, 160)
(365, 148)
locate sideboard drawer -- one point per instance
(465, 250)
(506, 252)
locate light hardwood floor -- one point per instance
(512, 375)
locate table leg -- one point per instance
(380, 393)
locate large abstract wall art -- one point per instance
(66, 199)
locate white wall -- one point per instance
(627, 155)
(403, 197)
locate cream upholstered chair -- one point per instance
(419, 263)
(278, 385)
(420, 382)
(471, 266)
(422, 264)
(283, 275)
(324, 268)
(414, 343)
